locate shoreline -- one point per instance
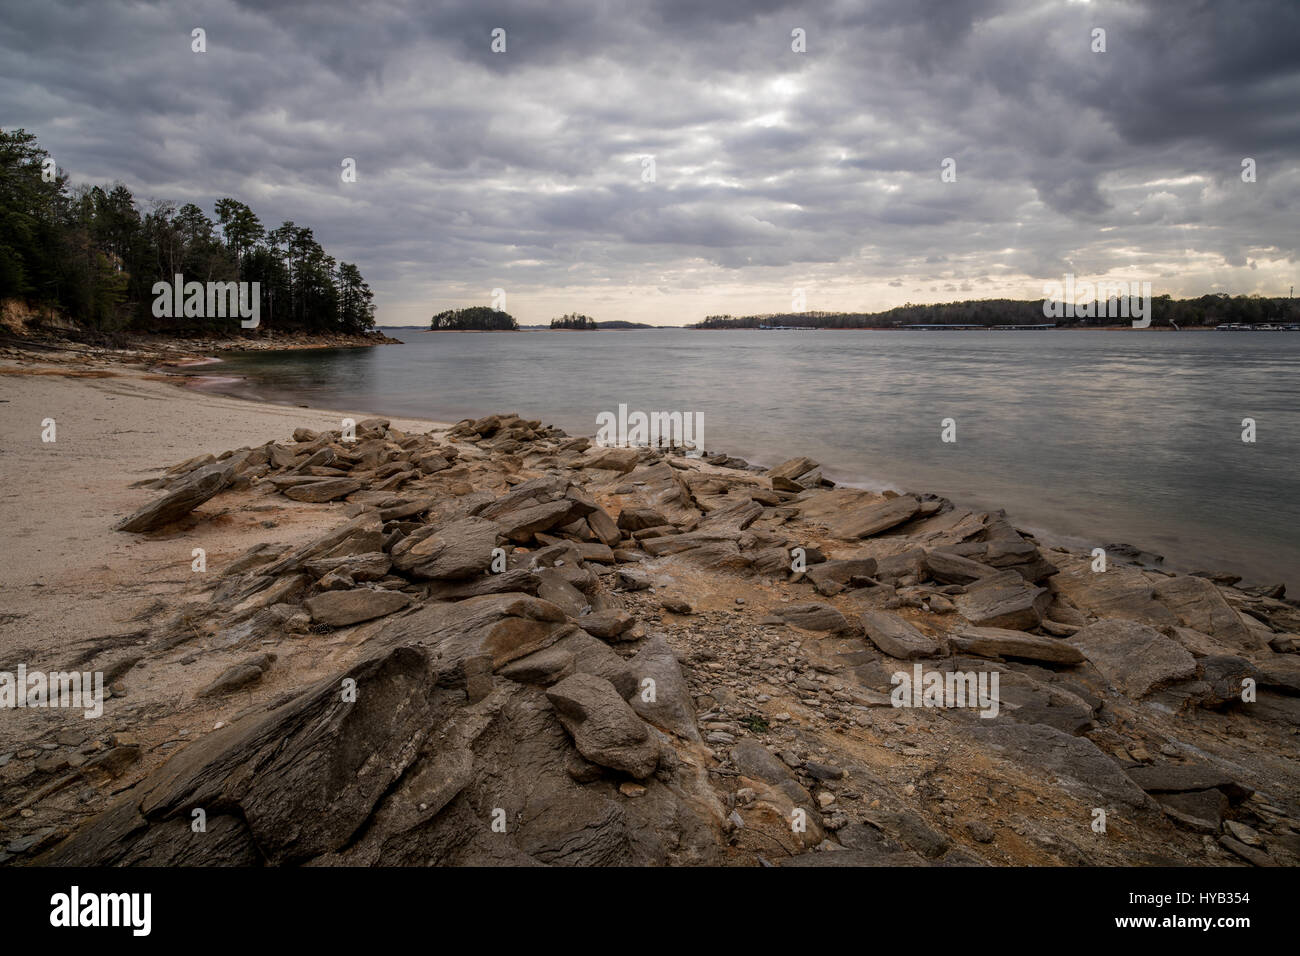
(177, 369)
(1184, 562)
(38, 342)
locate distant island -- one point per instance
(1206, 311)
(573, 322)
(477, 318)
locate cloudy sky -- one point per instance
(773, 170)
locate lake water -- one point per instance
(1091, 437)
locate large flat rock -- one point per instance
(341, 608)
(176, 504)
(830, 577)
(503, 626)
(454, 551)
(1135, 658)
(896, 637)
(1200, 605)
(1000, 642)
(1075, 762)
(1116, 593)
(520, 526)
(949, 568)
(326, 489)
(1004, 599)
(875, 518)
(812, 616)
(1187, 778)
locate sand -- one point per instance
(66, 576)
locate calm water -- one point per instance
(1091, 437)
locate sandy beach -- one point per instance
(66, 575)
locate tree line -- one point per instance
(94, 254)
(1212, 309)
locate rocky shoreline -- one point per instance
(78, 346)
(502, 645)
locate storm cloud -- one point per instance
(774, 169)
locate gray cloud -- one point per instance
(774, 169)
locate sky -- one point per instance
(663, 160)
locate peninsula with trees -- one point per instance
(88, 258)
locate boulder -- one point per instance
(459, 549)
(630, 579)
(594, 656)
(607, 625)
(555, 587)
(830, 577)
(604, 528)
(792, 469)
(1200, 811)
(908, 827)
(360, 567)
(1003, 599)
(524, 495)
(770, 562)
(612, 459)
(240, 675)
(605, 729)
(896, 637)
(1116, 593)
(521, 525)
(541, 667)
(521, 580)
(717, 556)
(197, 488)
(638, 519)
(1225, 675)
(949, 568)
(342, 608)
(670, 707)
(1160, 778)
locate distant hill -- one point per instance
(1207, 310)
(620, 324)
